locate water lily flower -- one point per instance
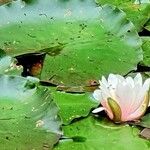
(123, 99)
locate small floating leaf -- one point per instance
(73, 106)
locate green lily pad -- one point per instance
(73, 106)
(146, 50)
(137, 13)
(145, 121)
(96, 134)
(112, 40)
(28, 115)
(101, 38)
(147, 27)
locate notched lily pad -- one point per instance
(107, 34)
(81, 49)
(29, 117)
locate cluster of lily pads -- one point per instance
(55, 58)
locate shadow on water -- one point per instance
(32, 63)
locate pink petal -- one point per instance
(136, 100)
(140, 93)
(107, 108)
(140, 111)
(125, 96)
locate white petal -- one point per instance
(105, 93)
(138, 79)
(112, 80)
(113, 94)
(104, 81)
(141, 93)
(97, 95)
(130, 81)
(97, 110)
(120, 78)
(137, 95)
(146, 85)
(104, 90)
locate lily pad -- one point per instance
(29, 117)
(146, 50)
(101, 38)
(138, 13)
(145, 121)
(96, 134)
(73, 106)
(108, 35)
(148, 25)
